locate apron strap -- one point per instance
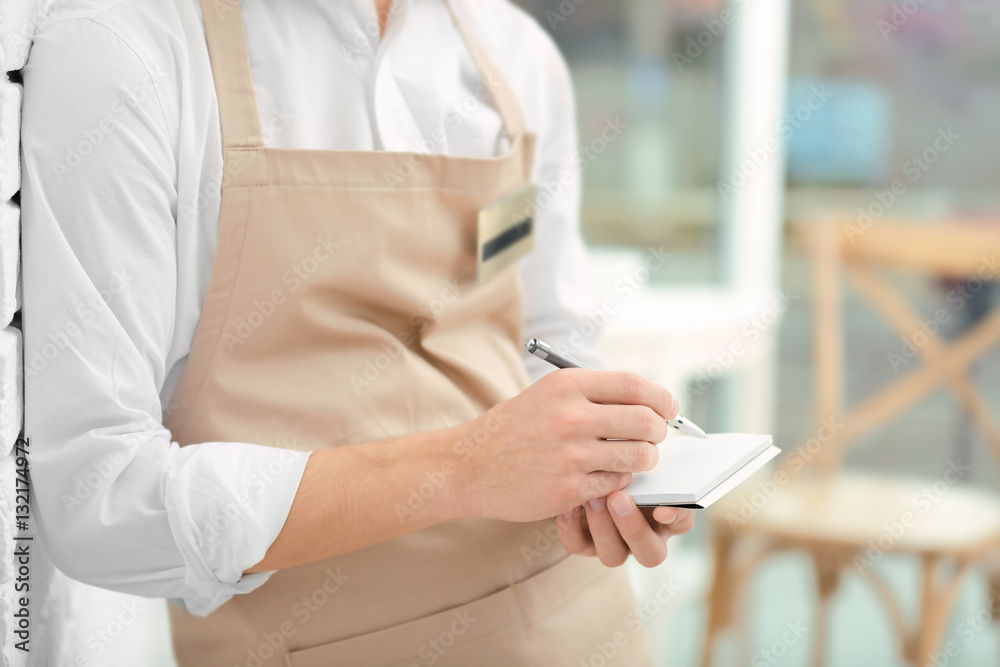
(507, 103)
(238, 113)
(227, 49)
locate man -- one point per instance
(278, 395)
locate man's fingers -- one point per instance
(599, 484)
(648, 547)
(625, 388)
(573, 534)
(610, 546)
(674, 520)
(631, 422)
(666, 515)
(622, 456)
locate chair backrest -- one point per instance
(968, 252)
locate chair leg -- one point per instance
(720, 599)
(922, 644)
(937, 603)
(993, 590)
(827, 571)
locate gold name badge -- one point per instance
(506, 233)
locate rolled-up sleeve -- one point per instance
(117, 502)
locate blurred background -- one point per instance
(751, 125)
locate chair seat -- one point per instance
(864, 510)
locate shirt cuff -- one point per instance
(226, 503)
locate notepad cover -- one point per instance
(695, 472)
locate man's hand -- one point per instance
(574, 435)
(613, 527)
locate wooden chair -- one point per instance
(809, 504)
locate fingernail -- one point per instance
(671, 519)
(621, 504)
(598, 504)
(676, 407)
(567, 515)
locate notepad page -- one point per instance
(690, 467)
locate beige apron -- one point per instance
(342, 308)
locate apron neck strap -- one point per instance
(238, 113)
(507, 105)
(227, 49)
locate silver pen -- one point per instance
(560, 360)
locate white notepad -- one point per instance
(695, 472)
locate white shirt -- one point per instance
(120, 201)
